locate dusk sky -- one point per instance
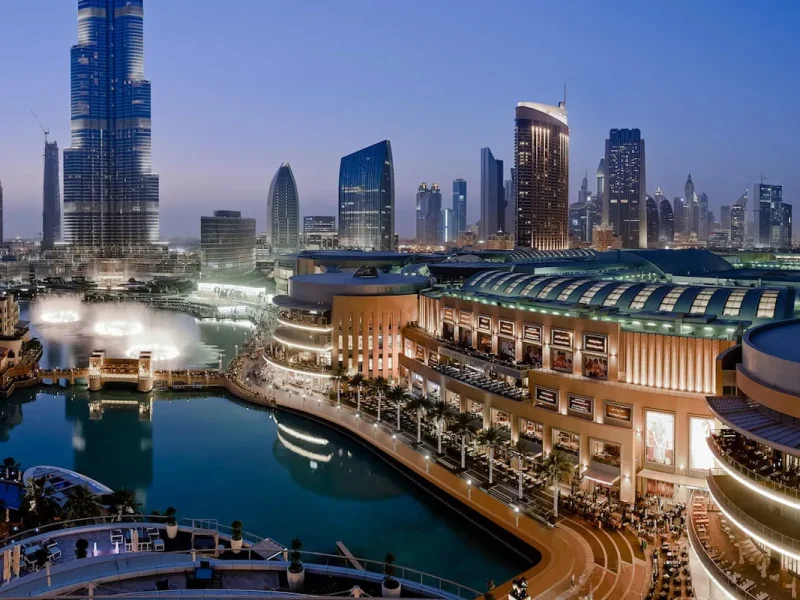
(240, 86)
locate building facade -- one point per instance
(541, 160)
(227, 243)
(738, 228)
(449, 227)
(51, 197)
(691, 208)
(366, 198)
(111, 196)
(624, 203)
(283, 211)
(666, 219)
(319, 233)
(460, 205)
(492, 195)
(653, 226)
(429, 214)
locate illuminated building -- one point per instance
(651, 209)
(460, 205)
(666, 219)
(624, 202)
(228, 242)
(738, 225)
(51, 197)
(283, 211)
(492, 195)
(429, 215)
(320, 233)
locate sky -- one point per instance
(241, 86)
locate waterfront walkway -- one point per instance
(576, 558)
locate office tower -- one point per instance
(679, 211)
(787, 226)
(770, 215)
(738, 225)
(110, 191)
(702, 227)
(601, 184)
(625, 197)
(725, 217)
(460, 204)
(448, 227)
(666, 220)
(584, 194)
(227, 243)
(51, 197)
(283, 210)
(691, 207)
(1, 212)
(541, 158)
(510, 211)
(366, 198)
(429, 214)
(492, 195)
(583, 217)
(319, 233)
(652, 223)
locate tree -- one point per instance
(338, 375)
(441, 413)
(557, 469)
(10, 465)
(519, 451)
(420, 405)
(357, 381)
(490, 439)
(81, 504)
(38, 506)
(123, 502)
(399, 396)
(380, 386)
(463, 426)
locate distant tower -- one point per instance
(283, 210)
(666, 219)
(51, 201)
(652, 222)
(702, 227)
(429, 214)
(692, 214)
(492, 195)
(624, 203)
(460, 205)
(541, 158)
(601, 182)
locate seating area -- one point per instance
(760, 461)
(483, 382)
(137, 539)
(748, 416)
(40, 554)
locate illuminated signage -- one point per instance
(546, 398)
(449, 314)
(618, 414)
(465, 318)
(420, 353)
(581, 406)
(433, 359)
(593, 342)
(561, 338)
(532, 333)
(506, 328)
(485, 323)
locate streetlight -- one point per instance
(358, 420)
(375, 430)
(516, 515)
(427, 463)
(469, 489)
(394, 443)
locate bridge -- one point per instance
(135, 371)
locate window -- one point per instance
(480, 276)
(767, 303)
(589, 294)
(530, 286)
(567, 291)
(671, 299)
(502, 280)
(733, 305)
(550, 287)
(701, 301)
(613, 297)
(643, 295)
(517, 283)
(494, 275)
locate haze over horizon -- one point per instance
(237, 92)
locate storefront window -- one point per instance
(501, 420)
(417, 382)
(505, 349)
(660, 438)
(447, 330)
(476, 408)
(606, 453)
(568, 442)
(700, 456)
(454, 400)
(485, 342)
(433, 389)
(531, 430)
(465, 336)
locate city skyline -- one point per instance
(197, 175)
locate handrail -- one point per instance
(722, 500)
(715, 572)
(718, 452)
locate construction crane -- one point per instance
(45, 130)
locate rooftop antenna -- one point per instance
(565, 94)
(45, 130)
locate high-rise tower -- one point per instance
(429, 214)
(283, 210)
(110, 191)
(51, 197)
(624, 202)
(492, 195)
(692, 208)
(541, 160)
(460, 205)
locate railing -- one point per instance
(300, 367)
(742, 518)
(715, 572)
(765, 482)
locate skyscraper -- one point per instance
(366, 198)
(666, 219)
(625, 199)
(652, 223)
(601, 184)
(51, 197)
(228, 242)
(447, 231)
(771, 226)
(738, 225)
(283, 210)
(492, 195)
(510, 211)
(429, 214)
(725, 217)
(110, 191)
(460, 205)
(691, 208)
(541, 158)
(679, 210)
(584, 194)
(702, 226)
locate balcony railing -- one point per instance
(302, 368)
(769, 536)
(765, 482)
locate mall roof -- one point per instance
(692, 261)
(726, 302)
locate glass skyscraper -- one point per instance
(110, 191)
(460, 205)
(366, 198)
(624, 204)
(283, 210)
(51, 197)
(227, 243)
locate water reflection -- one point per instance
(10, 417)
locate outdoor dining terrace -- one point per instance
(484, 382)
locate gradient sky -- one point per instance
(241, 85)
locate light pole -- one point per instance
(375, 430)
(516, 515)
(394, 443)
(469, 489)
(358, 420)
(427, 464)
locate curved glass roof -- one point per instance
(725, 302)
(534, 255)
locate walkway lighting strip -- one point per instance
(321, 328)
(303, 436)
(754, 486)
(324, 458)
(280, 340)
(297, 371)
(755, 536)
(713, 578)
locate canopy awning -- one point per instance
(692, 482)
(601, 477)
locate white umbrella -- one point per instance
(15, 561)
(134, 540)
(7, 565)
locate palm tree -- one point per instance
(400, 396)
(123, 502)
(519, 451)
(38, 505)
(441, 413)
(338, 375)
(380, 386)
(420, 405)
(81, 504)
(490, 438)
(557, 468)
(464, 427)
(357, 381)
(10, 465)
